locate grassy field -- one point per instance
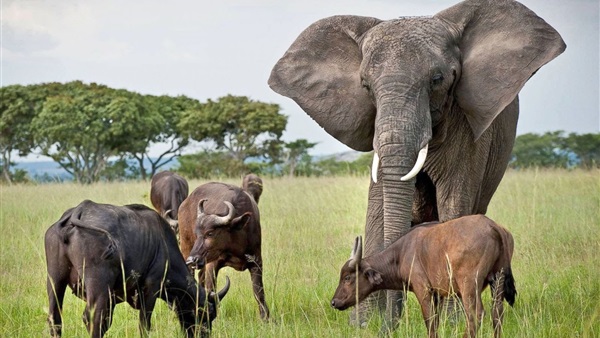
(309, 225)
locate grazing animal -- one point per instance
(167, 192)
(434, 260)
(253, 185)
(110, 254)
(219, 226)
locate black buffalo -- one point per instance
(167, 191)
(109, 254)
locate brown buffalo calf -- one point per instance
(435, 260)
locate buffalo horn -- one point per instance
(226, 219)
(356, 254)
(215, 297)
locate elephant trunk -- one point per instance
(403, 130)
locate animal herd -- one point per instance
(435, 98)
(109, 254)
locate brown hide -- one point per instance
(462, 256)
(236, 244)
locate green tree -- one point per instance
(296, 154)
(84, 126)
(547, 150)
(237, 125)
(586, 147)
(210, 164)
(18, 106)
(159, 125)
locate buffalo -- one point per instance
(167, 192)
(435, 260)
(253, 185)
(219, 225)
(110, 254)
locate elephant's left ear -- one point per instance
(503, 44)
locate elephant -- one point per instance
(435, 97)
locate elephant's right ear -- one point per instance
(320, 71)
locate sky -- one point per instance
(208, 49)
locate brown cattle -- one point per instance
(435, 260)
(167, 192)
(219, 225)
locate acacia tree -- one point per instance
(84, 126)
(242, 127)
(296, 152)
(159, 125)
(18, 106)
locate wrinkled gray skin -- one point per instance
(450, 81)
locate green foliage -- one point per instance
(586, 147)
(80, 126)
(332, 167)
(160, 126)
(554, 150)
(210, 164)
(308, 228)
(242, 127)
(83, 126)
(297, 158)
(18, 106)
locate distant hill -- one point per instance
(51, 171)
(346, 156)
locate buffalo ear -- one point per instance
(320, 71)
(503, 43)
(239, 222)
(373, 276)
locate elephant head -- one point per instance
(397, 86)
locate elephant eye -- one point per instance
(437, 79)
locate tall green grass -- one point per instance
(309, 225)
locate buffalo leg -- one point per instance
(428, 309)
(97, 315)
(148, 301)
(473, 311)
(259, 291)
(56, 292)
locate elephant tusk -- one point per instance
(418, 164)
(375, 167)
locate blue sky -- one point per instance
(208, 49)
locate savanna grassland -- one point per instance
(309, 225)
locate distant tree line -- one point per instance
(556, 150)
(96, 133)
(99, 133)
